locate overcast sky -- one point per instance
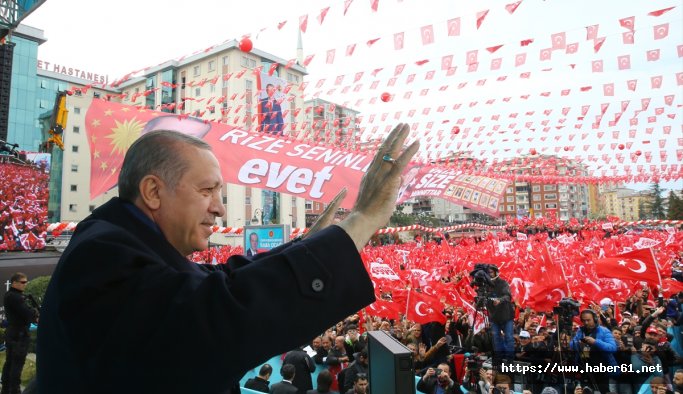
(115, 38)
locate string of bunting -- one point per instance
(56, 229)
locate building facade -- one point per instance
(626, 204)
(192, 87)
(538, 199)
(24, 106)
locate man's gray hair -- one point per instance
(155, 153)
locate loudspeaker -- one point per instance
(6, 54)
(391, 365)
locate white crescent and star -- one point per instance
(417, 309)
(641, 266)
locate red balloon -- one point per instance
(386, 97)
(456, 129)
(621, 146)
(246, 45)
(566, 149)
(638, 153)
(532, 151)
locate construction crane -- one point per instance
(58, 121)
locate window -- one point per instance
(225, 83)
(197, 70)
(225, 200)
(74, 188)
(536, 188)
(510, 199)
(501, 208)
(536, 197)
(76, 129)
(74, 168)
(212, 88)
(511, 207)
(537, 206)
(293, 78)
(43, 104)
(74, 148)
(226, 60)
(197, 92)
(293, 200)
(96, 94)
(309, 204)
(548, 188)
(91, 208)
(212, 65)
(551, 206)
(509, 190)
(247, 200)
(43, 84)
(552, 196)
(77, 110)
(246, 62)
(73, 207)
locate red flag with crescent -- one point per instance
(636, 265)
(424, 309)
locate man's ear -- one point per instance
(150, 190)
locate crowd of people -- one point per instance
(23, 207)
(641, 328)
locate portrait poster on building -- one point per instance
(271, 101)
(24, 194)
(258, 239)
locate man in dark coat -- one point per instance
(304, 366)
(286, 386)
(20, 315)
(260, 382)
(124, 297)
(501, 312)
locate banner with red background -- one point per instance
(267, 161)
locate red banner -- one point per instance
(478, 193)
(270, 161)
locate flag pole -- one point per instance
(659, 276)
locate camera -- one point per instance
(438, 371)
(483, 283)
(566, 310)
(480, 275)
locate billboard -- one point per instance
(24, 195)
(258, 239)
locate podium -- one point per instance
(391, 365)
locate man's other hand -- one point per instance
(378, 190)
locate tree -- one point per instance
(400, 219)
(675, 211)
(656, 205)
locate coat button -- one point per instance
(317, 285)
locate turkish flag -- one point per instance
(424, 309)
(636, 265)
(661, 31)
(383, 309)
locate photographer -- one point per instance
(501, 312)
(594, 346)
(437, 381)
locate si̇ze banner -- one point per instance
(478, 193)
(260, 160)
